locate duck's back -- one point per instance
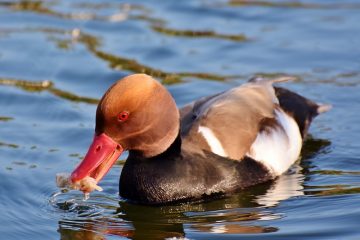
(253, 120)
(227, 124)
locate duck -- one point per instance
(210, 148)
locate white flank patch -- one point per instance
(214, 143)
(280, 148)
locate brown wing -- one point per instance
(230, 120)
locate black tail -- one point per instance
(303, 110)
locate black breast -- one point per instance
(187, 177)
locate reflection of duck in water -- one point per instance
(240, 213)
(229, 141)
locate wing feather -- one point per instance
(234, 118)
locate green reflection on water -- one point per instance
(72, 97)
(116, 62)
(199, 34)
(121, 63)
(65, 39)
(335, 172)
(292, 4)
(31, 86)
(5, 119)
(331, 190)
(131, 65)
(43, 8)
(36, 86)
(24, 5)
(10, 145)
(312, 148)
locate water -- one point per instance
(58, 57)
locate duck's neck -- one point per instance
(172, 151)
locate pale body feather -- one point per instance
(279, 148)
(227, 124)
(233, 118)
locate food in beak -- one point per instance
(87, 184)
(101, 156)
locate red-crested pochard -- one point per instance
(216, 145)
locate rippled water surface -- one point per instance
(57, 58)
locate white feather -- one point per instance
(280, 148)
(213, 142)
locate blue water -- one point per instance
(58, 57)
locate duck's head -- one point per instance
(136, 113)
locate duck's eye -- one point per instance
(123, 116)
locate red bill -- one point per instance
(100, 157)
